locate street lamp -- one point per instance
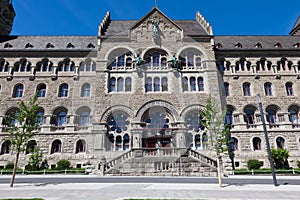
(267, 139)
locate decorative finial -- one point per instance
(156, 3)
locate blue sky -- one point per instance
(82, 17)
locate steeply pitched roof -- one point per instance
(296, 28)
(80, 43)
(257, 42)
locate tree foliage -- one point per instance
(213, 121)
(63, 164)
(34, 160)
(254, 164)
(280, 157)
(22, 126)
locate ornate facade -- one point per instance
(132, 95)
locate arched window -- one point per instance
(157, 122)
(156, 84)
(185, 84)
(120, 84)
(63, 90)
(18, 91)
(41, 90)
(280, 142)
(193, 122)
(62, 118)
(148, 84)
(249, 115)
(164, 84)
(156, 59)
(204, 140)
(246, 89)
(234, 143)
(289, 89)
(294, 114)
(200, 84)
(128, 62)
(111, 141)
(271, 117)
(118, 122)
(84, 119)
(40, 113)
(5, 148)
(118, 143)
(80, 146)
(30, 146)
(256, 142)
(121, 60)
(163, 62)
(126, 142)
(197, 141)
(56, 147)
(227, 91)
(86, 90)
(193, 84)
(128, 84)
(228, 117)
(112, 84)
(268, 89)
(198, 62)
(190, 59)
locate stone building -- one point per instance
(7, 15)
(130, 98)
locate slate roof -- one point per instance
(252, 42)
(296, 26)
(75, 43)
(122, 27)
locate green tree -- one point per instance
(34, 160)
(213, 121)
(22, 126)
(63, 164)
(280, 157)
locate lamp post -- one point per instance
(267, 139)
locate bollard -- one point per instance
(293, 171)
(44, 171)
(252, 172)
(23, 171)
(65, 171)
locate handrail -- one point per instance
(203, 158)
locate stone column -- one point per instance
(70, 123)
(137, 134)
(99, 135)
(46, 126)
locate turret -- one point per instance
(7, 15)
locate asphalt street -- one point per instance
(232, 180)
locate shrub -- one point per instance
(9, 165)
(253, 164)
(63, 164)
(280, 157)
(34, 160)
(298, 163)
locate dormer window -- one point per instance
(90, 46)
(238, 45)
(70, 45)
(258, 45)
(49, 45)
(219, 45)
(8, 45)
(297, 45)
(28, 45)
(278, 45)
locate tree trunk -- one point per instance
(219, 170)
(14, 170)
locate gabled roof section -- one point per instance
(155, 9)
(296, 29)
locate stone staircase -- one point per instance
(161, 162)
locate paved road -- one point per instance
(118, 188)
(233, 180)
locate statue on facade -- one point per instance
(138, 60)
(155, 28)
(175, 63)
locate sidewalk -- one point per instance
(118, 191)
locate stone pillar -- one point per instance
(99, 133)
(70, 123)
(102, 166)
(54, 73)
(76, 73)
(46, 126)
(232, 69)
(137, 134)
